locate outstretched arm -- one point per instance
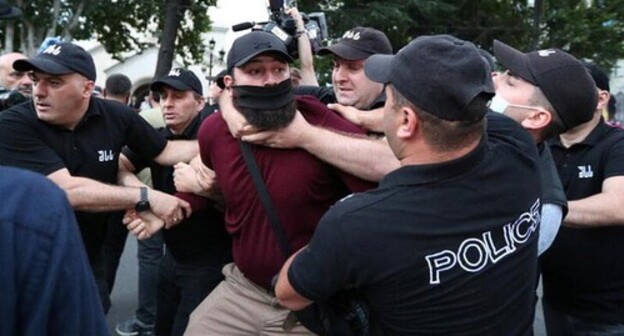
(367, 158)
(602, 209)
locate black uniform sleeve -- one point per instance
(143, 139)
(137, 161)
(22, 146)
(614, 162)
(324, 266)
(324, 94)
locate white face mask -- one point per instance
(498, 104)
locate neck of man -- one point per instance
(180, 128)
(71, 124)
(424, 154)
(580, 132)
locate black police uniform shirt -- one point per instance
(438, 249)
(583, 271)
(200, 237)
(90, 150)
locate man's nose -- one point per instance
(273, 79)
(340, 74)
(39, 90)
(25, 81)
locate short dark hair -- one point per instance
(444, 135)
(118, 84)
(556, 127)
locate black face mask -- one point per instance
(266, 107)
(264, 97)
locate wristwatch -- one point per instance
(143, 204)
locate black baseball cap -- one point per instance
(7, 11)
(600, 77)
(60, 59)
(218, 79)
(440, 74)
(254, 43)
(359, 43)
(563, 79)
(180, 79)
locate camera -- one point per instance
(284, 27)
(10, 98)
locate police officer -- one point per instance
(76, 140)
(434, 249)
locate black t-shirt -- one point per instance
(201, 236)
(438, 249)
(90, 150)
(583, 271)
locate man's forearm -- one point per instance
(177, 151)
(595, 211)
(284, 291)
(367, 158)
(85, 194)
(128, 179)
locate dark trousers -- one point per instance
(150, 253)
(114, 243)
(561, 324)
(181, 288)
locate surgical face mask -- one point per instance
(498, 104)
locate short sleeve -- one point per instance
(137, 161)
(614, 162)
(23, 147)
(324, 266)
(143, 139)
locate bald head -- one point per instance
(12, 79)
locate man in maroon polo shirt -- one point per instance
(301, 187)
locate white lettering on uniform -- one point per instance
(585, 172)
(473, 254)
(106, 155)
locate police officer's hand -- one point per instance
(292, 136)
(169, 208)
(235, 121)
(142, 224)
(185, 179)
(369, 120)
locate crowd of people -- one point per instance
(436, 184)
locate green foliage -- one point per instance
(117, 24)
(594, 32)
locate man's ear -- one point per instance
(603, 100)
(228, 81)
(201, 103)
(537, 119)
(408, 123)
(88, 89)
